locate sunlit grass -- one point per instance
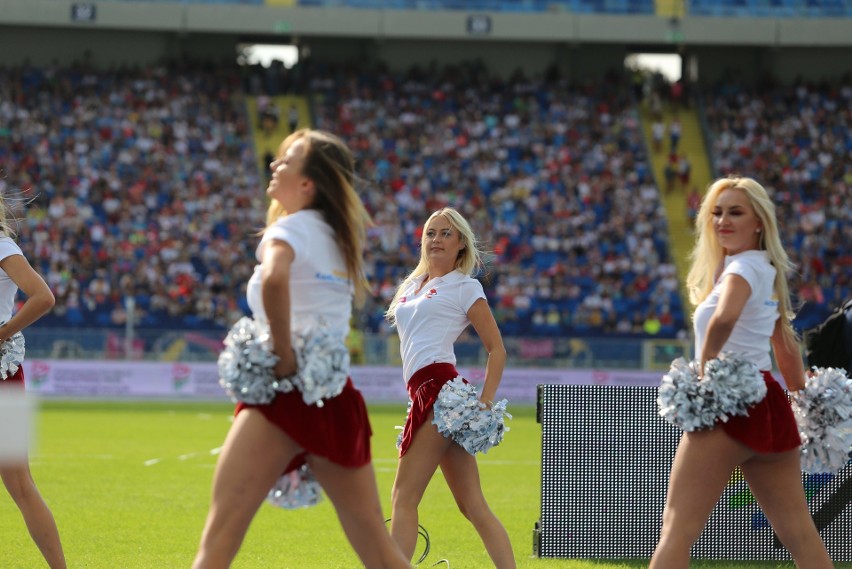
(129, 485)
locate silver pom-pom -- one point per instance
(323, 364)
(246, 363)
(298, 488)
(823, 411)
(459, 414)
(12, 355)
(730, 385)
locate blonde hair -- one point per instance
(5, 226)
(468, 261)
(329, 165)
(708, 254)
(10, 201)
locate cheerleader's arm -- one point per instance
(788, 358)
(275, 290)
(733, 296)
(483, 322)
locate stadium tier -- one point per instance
(771, 8)
(143, 184)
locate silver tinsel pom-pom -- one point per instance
(459, 414)
(246, 363)
(12, 355)
(823, 411)
(730, 385)
(323, 364)
(298, 488)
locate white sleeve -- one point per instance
(469, 292)
(746, 270)
(9, 248)
(287, 229)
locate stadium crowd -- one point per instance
(553, 177)
(134, 184)
(142, 184)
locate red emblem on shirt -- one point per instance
(401, 299)
(432, 292)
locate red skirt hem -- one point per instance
(423, 389)
(17, 379)
(770, 425)
(338, 431)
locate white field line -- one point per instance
(377, 461)
(184, 457)
(70, 455)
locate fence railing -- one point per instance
(365, 349)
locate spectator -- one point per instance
(674, 135)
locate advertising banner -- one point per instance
(118, 379)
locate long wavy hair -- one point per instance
(6, 228)
(708, 254)
(468, 261)
(329, 165)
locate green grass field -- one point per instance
(129, 485)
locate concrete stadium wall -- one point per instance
(44, 46)
(41, 31)
(785, 64)
(110, 47)
(555, 26)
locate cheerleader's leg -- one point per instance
(253, 456)
(776, 482)
(37, 516)
(702, 467)
(462, 475)
(355, 496)
(415, 470)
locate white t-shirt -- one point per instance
(753, 329)
(8, 288)
(430, 321)
(319, 284)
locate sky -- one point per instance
(669, 64)
(264, 54)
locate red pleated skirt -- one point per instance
(16, 380)
(423, 389)
(770, 425)
(338, 431)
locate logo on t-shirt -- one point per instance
(402, 299)
(432, 292)
(331, 278)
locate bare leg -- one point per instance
(253, 456)
(355, 496)
(462, 475)
(702, 467)
(40, 523)
(776, 482)
(412, 477)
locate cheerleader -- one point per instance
(16, 273)
(310, 263)
(738, 283)
(431, 307)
